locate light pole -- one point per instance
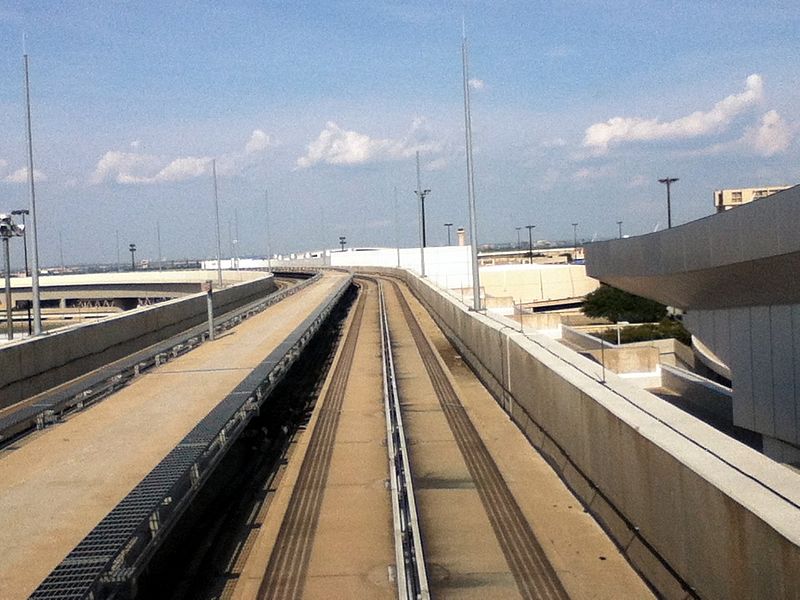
(37, 311)
(530, 229)
(216, 215)
(518, 240)
(119, 264)
(448, 225)
(421, 194)
(473, 214)
(23, 212)
(9, 229)
(342, 242)
(619, 224)
(132, 249)
(668, 181)
(575, 236)
(158, 243)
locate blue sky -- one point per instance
(578, 109)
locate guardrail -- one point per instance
(107, 561)
(412, 577)
(50, 406)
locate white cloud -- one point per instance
(627, 129)
(258, 142)
(772, 136)
(477, 84)
(125, 167)
(182, 169)
(21, 176)
(337, 146)
(139, 168)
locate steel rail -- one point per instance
(412, 577)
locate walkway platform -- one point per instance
(56, 485)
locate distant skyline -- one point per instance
(578, 110)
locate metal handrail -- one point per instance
(412, 577)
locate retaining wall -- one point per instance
(697, 513)
(33, 365)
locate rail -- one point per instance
(106, 563)
(412, 578)
(47, 408)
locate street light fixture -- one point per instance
(23, 212)
(9, 229)
(448, 225)
(530, 229)
(668, 181)
(132, 249)
(342, 242)
(619, 224)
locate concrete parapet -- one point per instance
(705, 395)
(33, 365)
(696, 512)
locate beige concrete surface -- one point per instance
(353, 545)
(588, 563)
(57, 485)
(463, 557)
(37, 364)
(665, 484)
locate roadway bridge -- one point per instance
(409, 479)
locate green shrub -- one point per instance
(616, 305)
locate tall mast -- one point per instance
(473, 225)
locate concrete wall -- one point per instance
(36, 364)
(533, 282)
(695, 511)
(620, 359)
(761, 346)
(704, 395)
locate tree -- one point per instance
(616, 305)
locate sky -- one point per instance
(314, 111)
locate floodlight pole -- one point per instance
(396, 226)
(518, 240)
(668, 181)
(421, 195)
(619, 225)
(7, 262)
(530, 229)
(37, 311)
(473, 224)
(448, 225)
(269, 241)
(216, 214)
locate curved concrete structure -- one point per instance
(743, 257)
(735, 273)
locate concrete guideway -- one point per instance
(328, 531)
(58, 484)
(346, 549)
